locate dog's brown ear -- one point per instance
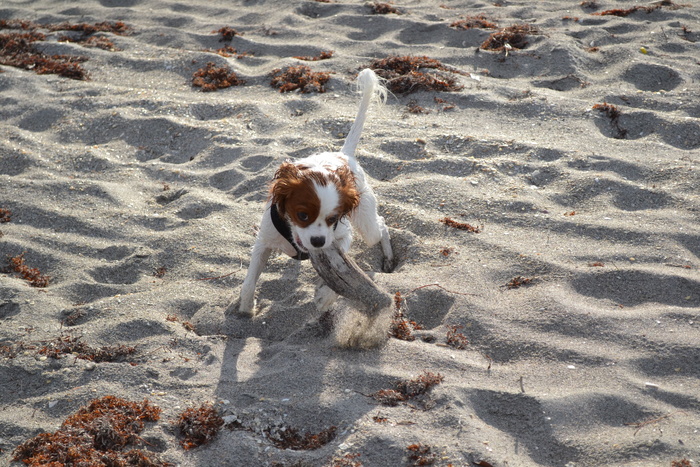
(287, 179)
(349, 197)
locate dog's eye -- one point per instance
(302, 216)
(332, 220)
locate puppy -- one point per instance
(316, 201)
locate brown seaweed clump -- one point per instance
(474, 22)
(70, 345)
(227, 34)
(455, 338)
(613, 113)
(406, 390)
(348, 460)
(519, 281)
(459, 225)
(421, 454)
(384, 8)
(402, 328)
(620, 12)
(18, 50)
(512, 37)
(291, 438)
(92, 41)
(95, 435)
(325, 55)
(5, 215)
(198, 426)
(212, 78)
(119, 28)
(31, 275)
(299, 77)
(406, 74)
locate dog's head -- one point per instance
(313, 201)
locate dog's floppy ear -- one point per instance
(349, 196)
(287, 179)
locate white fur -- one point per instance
(364, 218)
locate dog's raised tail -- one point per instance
(370, 87)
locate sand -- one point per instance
(138, 194)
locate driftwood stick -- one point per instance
(344, 277)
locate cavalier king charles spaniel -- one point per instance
(316, 201)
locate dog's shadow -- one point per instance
(280, 370)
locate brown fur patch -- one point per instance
(293, 191)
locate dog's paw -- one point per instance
(324, 298)
(244, 308)
(388, 265)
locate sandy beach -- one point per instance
(559, 326)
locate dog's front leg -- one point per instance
(258, 260)
(385, 242)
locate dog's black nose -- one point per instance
(318, 242)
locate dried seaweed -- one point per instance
(419, 386)
(299, 77)
(12, 349)
(681, 463)
(404, 75)
(613, 114)
(291, 438)
(119, 28)
(228, 51)
(445, 104)
(519, 281)
(413, 108)
(348, 460)
(74, 317)
(95, 436)
(92, 41)
(18, 24)
(322, 56)
(71, 345)
(686, 34)
(421, 454)
(474, 22)
(459, 225)
(212, 78)
(198, 426)
(455, 338)
(406, 390)
(5, 215)
(620, 12)
(383, 8)
(227, 34)
(402, 328)
(17, 50)
(512, 37)
(31, 275)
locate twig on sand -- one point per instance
(644, 423)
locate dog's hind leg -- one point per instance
(372, 227)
